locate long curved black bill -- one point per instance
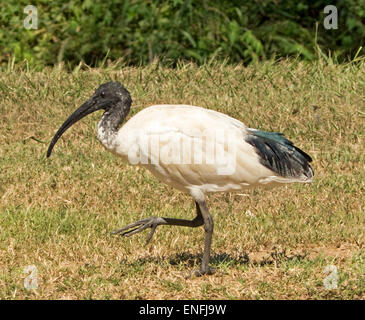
(88, 107)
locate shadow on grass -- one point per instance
(194, 260)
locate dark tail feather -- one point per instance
(280, 155)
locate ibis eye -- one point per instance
(102, 94)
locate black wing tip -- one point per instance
(280, 155)
(305, 155)
(309, 173)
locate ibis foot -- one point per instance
(199, 273)
(141, 225)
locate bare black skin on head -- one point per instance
(112, 97)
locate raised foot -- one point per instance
(141, 225)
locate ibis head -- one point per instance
(111, 97)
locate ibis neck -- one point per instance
(108, 127)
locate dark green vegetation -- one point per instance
(140, 31)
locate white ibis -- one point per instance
(192, 149)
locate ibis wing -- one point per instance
(280, 155)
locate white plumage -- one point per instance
(185, 124)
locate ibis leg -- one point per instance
(208, 228)
(154, 222)
(203, 217)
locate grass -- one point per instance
(57, 213)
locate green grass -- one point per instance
(57, 213)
